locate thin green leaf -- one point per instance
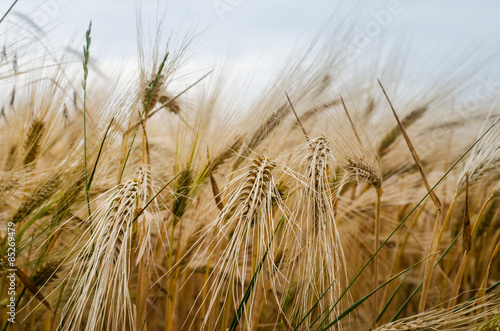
(391, 298)
(400, 310)
(99, 155)
(146, 104)
(363, 299)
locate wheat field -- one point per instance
(343, 196)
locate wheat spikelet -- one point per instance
(32, 141)
(37, 198)
(172, 105)
(357, 170)
(183, 185)
(355, 153)
(11, 158)
(316, 110)
(407, 121)
(222, 157)
(261, 133)
(8, 181)
(144, 224)
(70, 195)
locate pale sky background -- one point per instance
(245, 32)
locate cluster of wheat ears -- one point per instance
(331, 200)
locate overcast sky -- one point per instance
(244, 31)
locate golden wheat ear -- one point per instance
(103, 275)
(318, 268)
(33, 140)
(247, 220)
(483, 161)
(461, 317)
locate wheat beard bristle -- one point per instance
(123, 207)
(469, 315)
(256, 185)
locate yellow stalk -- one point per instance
(484, 282)
(205, 279)
(169, 282)
(396, 264)
(437, 234)
(227, 307)
(465, 259)
(375, 259)
(141, 296)
(173, 284)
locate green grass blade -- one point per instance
(86, 54)
(314, 307)
(99, 155)
(8, 11)
(400, 310)
(363, 299)
(391, 298)
(152, 199)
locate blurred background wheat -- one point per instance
(348, 193)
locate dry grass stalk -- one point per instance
(433, 195)
(467, 236)
(496, 190)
